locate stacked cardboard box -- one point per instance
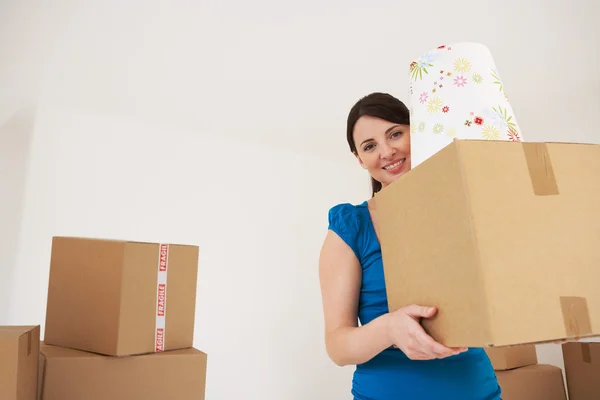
(505, 358)
(532, 382)
(502, 237)
(120, 322)
(522, 378)
(582, 370)
(19, 353)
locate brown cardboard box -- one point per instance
(77, 375)
(510, 357)
(19, 354)
(534, 382)
(108, 296)
(582, 370)
(487, 231)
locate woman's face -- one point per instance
(383, 148)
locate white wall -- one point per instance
(15, 138)
(234, 93)
(258, 215)
(287, 70)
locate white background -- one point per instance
(238, 110)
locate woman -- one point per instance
(394, 357)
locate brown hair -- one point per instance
(379, 105)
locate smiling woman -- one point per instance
(394, 357)
(378, 133)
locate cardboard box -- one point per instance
(488, 232)
(19, 354)
(534, 382)
(582, 370)
(120, 297)
(510, 357)
(77, 375)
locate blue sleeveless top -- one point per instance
(391, 375)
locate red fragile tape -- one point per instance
(161, 298)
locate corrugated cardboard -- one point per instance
(77, 375)
(510, 357)
(487, 232)
(582, 370)
(103, 296)
(534, 382)
(19, 354)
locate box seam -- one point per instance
(120, 294)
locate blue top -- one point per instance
(391, 375)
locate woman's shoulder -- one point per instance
(347, 213)
(349, 221)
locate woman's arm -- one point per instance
(340, 275)
(347, 343)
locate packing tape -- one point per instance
(161, 298)
(576, 316)
(540, 168)
(586, 353)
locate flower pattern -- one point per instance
(460, 81)
(458, 92)
(490, 133)
(434, 105)
(462, 65)
(438, 128)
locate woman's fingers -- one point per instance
(431, 347)
(412, 339)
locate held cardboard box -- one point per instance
(502, 237)
(119, 297)
(582, 370)
(19, 355)
(534, 382)
(510, 357)
(77, 375)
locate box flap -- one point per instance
(16, 331)
(57, 352)
(122, 241)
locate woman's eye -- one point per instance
(368, 147)
(396, 134)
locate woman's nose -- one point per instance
(387, 151)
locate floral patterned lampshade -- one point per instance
(456, 92)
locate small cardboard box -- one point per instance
(19, 355)
(119, 297)
(582, 370)
(77, 375)
(502, 237)
(534, 382)
(510, 357)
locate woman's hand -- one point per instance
(408, 335)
